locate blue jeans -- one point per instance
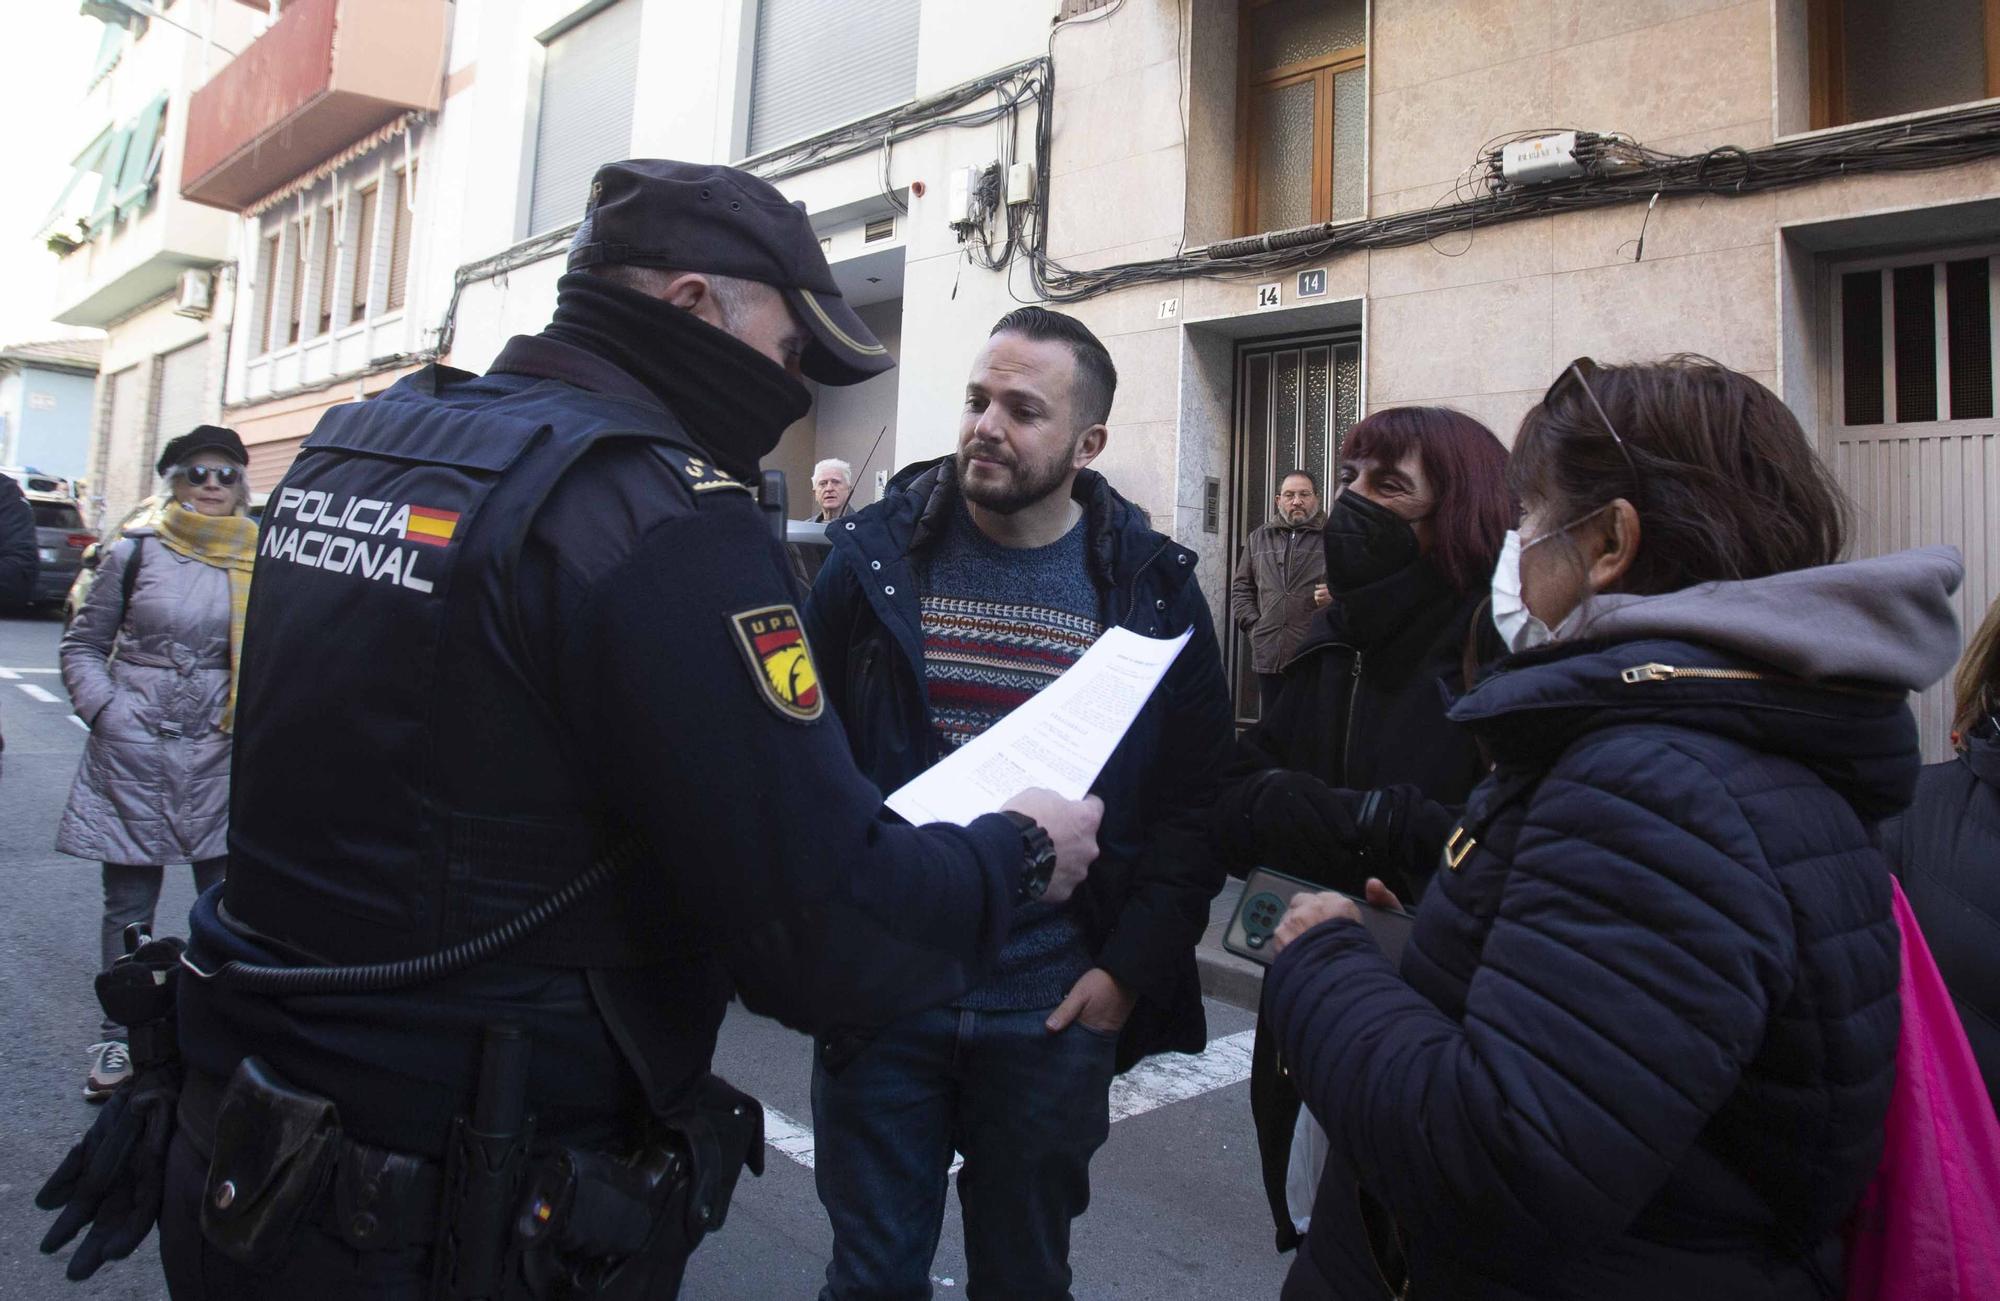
(1026, 1108)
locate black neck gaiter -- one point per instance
(734, 400)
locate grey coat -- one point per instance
(151, 682)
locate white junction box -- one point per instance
(1545, 158)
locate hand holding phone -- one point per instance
(1268, 896)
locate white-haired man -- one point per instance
(833, 484)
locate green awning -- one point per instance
(142, 156)
(85, 164)
(108, 167)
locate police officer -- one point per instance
(516, 638)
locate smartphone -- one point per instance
(1267, 894)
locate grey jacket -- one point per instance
(1271, 597)
(151, 682)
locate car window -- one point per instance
(57, 515)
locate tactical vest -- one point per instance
(401, 781)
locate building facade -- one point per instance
(1128, 157)
(47, 395)
(136, 259)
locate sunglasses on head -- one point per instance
(226, 475)
(1578, 373)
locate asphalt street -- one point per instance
(1176, 1208)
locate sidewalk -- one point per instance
(1224, 976)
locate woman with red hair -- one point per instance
(1355, 768)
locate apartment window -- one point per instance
(325, 281)
(1304, 98)
(296, 291)
(822, 63)
(590, 75)
(363, 272)
(1916, 342)
(399, 239)
(267, 285)
(1880, 58)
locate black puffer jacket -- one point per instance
(1642, 1038)
(1362, 707)
(1946, 849)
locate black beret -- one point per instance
(202, 438)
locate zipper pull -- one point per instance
(1357, 664)
(1649, 673)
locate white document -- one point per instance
(1060, 738)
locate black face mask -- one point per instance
(1365, 543)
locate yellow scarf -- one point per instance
(228, 542)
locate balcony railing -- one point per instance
(325, 75)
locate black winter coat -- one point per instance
(1946, 849)
(1362, 707)
(19, 553)
(1145, 903)
(1644, 1034)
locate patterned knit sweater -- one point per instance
(999, 624)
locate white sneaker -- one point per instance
(110, 1066)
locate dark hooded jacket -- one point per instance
(1946, 849)
(1644, 1033)
(1144, 905)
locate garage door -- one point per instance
(1915, 440)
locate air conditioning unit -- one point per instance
(194, 295)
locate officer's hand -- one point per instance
(1072, 828)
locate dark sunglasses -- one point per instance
(1579, 373)
(226, 475)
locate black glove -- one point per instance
(115, 1177)
(1305, 828)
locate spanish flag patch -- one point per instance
(431, 527)
(780, 662)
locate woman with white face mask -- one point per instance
(1645, 1029)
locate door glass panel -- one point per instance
(1314, 427)
(1346, 397)
(1284, 422)
(1284, 147)
(1285, 32)
(1350, 157)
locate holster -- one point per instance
(274, 1153)
(617, 1227)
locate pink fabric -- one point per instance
(1929, 1224)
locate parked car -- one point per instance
(61, 539)
(79, 586)
(33, 480)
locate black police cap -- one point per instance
(202, 438)
(715, 219)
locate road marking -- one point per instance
(11, 674)
(79, 722)
(788, 1136)
(1176, 1077)
(1157, 1082)
(36, 693)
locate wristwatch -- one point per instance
(1038, 857)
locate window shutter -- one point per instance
(589, 79)
(363, 276)
(142, 156)
(820, 63)
(399, 240)
(183, 375)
